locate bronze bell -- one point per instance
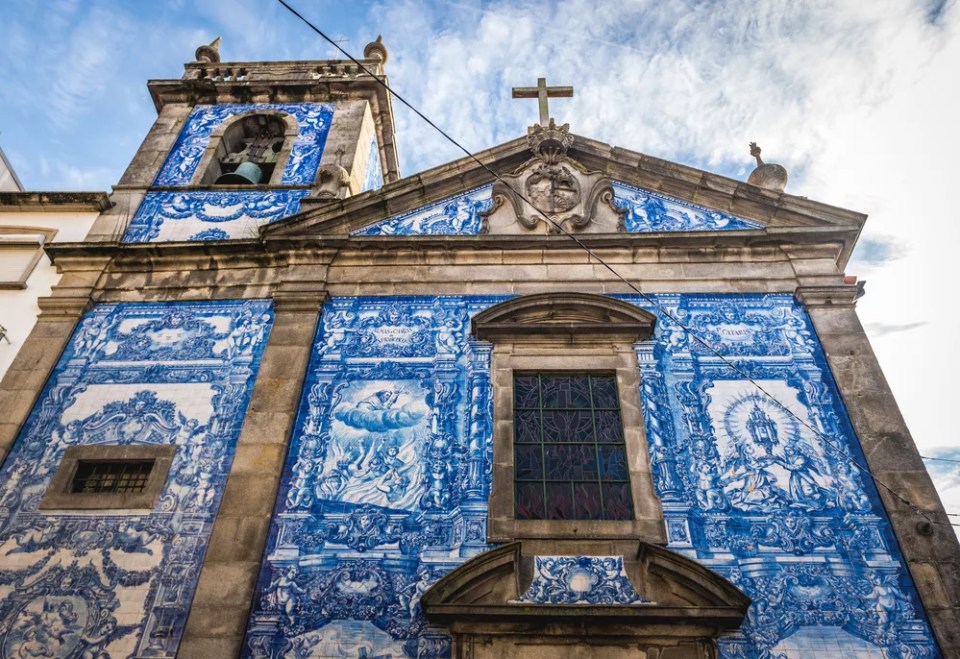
(246, 173)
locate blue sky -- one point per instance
(857, 99)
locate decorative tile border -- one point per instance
(454, 216)
(203, 215)
(314, 120)
(387, 480)
(649, 212)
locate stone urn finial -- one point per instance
(769, 176)
(376, 50)
(209, 53)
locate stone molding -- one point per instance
(555, 332)
(776, 210)
(201, 176)
(842, 295)
(58, 496)
(299, 301)
(54, 202)
(286, 82)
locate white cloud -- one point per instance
(857, 99)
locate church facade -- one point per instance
(285, 403)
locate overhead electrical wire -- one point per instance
(651, 300)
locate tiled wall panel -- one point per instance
(116, 583)
(386, 483)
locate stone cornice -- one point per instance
(702, 246)
(54, 202)
(842, 295)
(294, 301)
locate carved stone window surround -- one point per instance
(556, 333)
(60, 497)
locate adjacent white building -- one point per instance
(28, 221)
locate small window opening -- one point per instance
(250, 150)
(114, 477)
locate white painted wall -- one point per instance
(18, 307)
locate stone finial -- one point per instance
(376, 50)
(333, 182)
(209, 53)
(767, 175)
(550, 142)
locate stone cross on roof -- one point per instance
(542, 92)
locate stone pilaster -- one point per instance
(228, 579)
(930, 550)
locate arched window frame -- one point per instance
(576, 333)
(208, 170)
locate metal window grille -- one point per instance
(117, 477)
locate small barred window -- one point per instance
(115, 477)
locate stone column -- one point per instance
(228, 579)
(931, 550)
(39, 354)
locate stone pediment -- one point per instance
(587, 187)
(507, 603)
(568, 315)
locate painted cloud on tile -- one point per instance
(386, 482)
(771, 499)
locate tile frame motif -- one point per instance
(67, 569)
(649, 212)
(205, 211)
(646, 212)
(314, 120)
(581, 580)
(457, 215)
(784, 552)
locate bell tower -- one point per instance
(238, 145)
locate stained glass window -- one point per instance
(569, 455)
